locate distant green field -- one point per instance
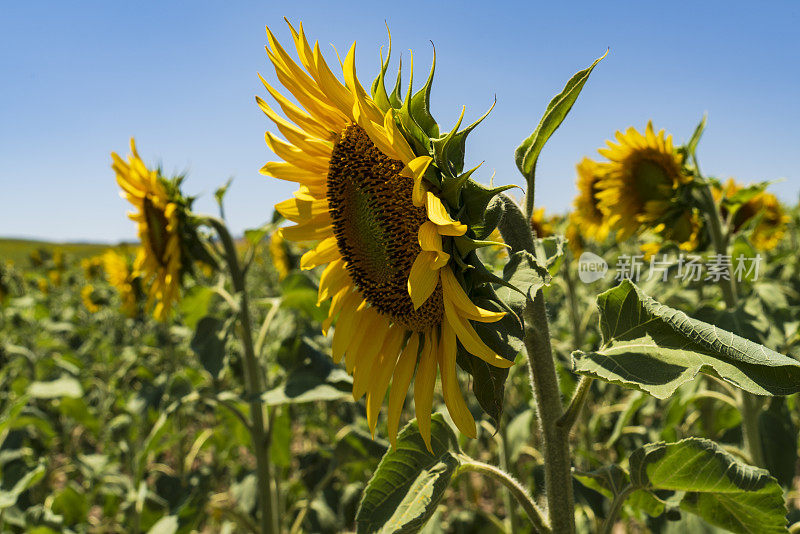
(19, 250)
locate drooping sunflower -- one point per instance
(639, 180)
(157, 217)
(763, 208)
(588, 218)
(392, 228)
(120, 275)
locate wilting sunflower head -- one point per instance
(168, 235)
(763, 209)
(640, 179)
(588, 218)
(119, 273)
(389, 211)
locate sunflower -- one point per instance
(763, 208)
(120, 275)
(379, 208)
(92, 267)
(157, 218)
(89, 300)
(588, 218)
(543, 227)
(639, 179)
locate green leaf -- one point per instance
(612, 480)
(525, 274)
(8, 498)
(552, 250)
(194, 304)
(219, 194)
(299, 292)
(66, 386)
(410, 481)
(654, 348)
(691, 146)
(719, 488)
(209, 344)
(255, 235)
(311, 384)
(778, 441)
(528, 152)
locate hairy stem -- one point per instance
(516, 230)
(555, 437)
(252, 374)
(520, 493)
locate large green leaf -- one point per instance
(528, 152)
(719, 488)
(308, 385)
(654, 348)
(410, 481)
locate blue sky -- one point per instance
(79, 79)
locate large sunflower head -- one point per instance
(763, 209)
(120, 275)
(587, 215)
(394, 219)
(169, 241)
(640, 179)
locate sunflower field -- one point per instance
(403, 346)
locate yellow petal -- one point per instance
(334, 278)
(423, 278)
(297, 210)
(292, 173)
(424, 383)
(401, 379)
(343, 334)
(439, 216)
(470, 339)
(325, 252)
(381, 373)
(458, 297)
(366, 354)
(450, 387)
(314, 230)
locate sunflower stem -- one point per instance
(749, 405)
(252, 372)
(517, 490)
(555, 437)
(517, 232)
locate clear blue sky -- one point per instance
(80, 78)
